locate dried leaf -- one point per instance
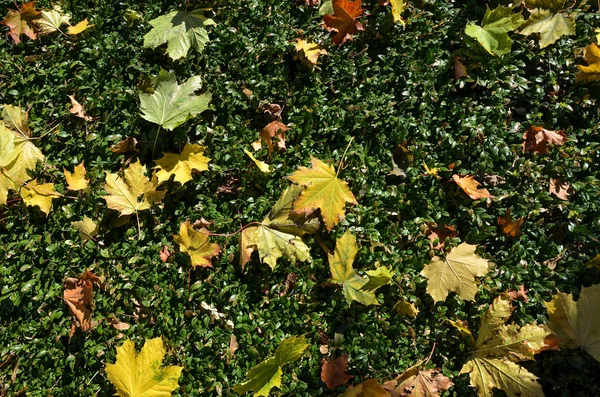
(521, 294)
(165, 254)
(22, 21)
(538, 139)
(440, 234)
(471, 187)
(76, 180)
(369, 388)
(415, 382)
(275, 129)
(403, 307)
(509, 226)
(460, 70)
(79, 296)
(77, 109)
(343, 20)
(127, 145)
(560, 189)
(333, 372)
(87, 228)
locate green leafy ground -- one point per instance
(388, 85)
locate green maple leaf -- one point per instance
(492, 34)
(547, 20)
(180, 30)
(172, 104)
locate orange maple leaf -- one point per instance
(79, 297)
(343, 20)
(471, 187)
(560, 189)
(275, 129)
(509, 226)
(539, 139)
(440, 233)
(21, 22)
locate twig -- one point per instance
(344, 155)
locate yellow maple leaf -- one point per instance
(76, 180)
(40, 195)
(137, 375)
(591, 72)
(80, 27)
(324, 191)
(309, 52)
(398, 7)
(369, 388)
(264, 167)
(181, 165)
(196, 245)
(456, 272)
(87, 229)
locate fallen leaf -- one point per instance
(77, 109)
(471, 187)
(264, 376)
(196, 245)
(181, 165)
(273, 110)
(546, 19)
(560, 189)
(275, 129)
(401, 160)
(324, 191)
(455, 272)
(415, 382)
(576, 325)
(50, 21)
(591, 72)
(165, 254)
(233, 346)
(79, 296)
(137, 375)
(520, 294)
(333, 372)
(119, 325)
(343, 20)
(594, 262)
(76, 180)
(403, 307)
(309, 53)
(369, 388)
(262, 166)
(40, 195)
(538, 139)
(463, 327)
(460, 70)
(492, 34)
(440, 234)
(509, 226)
(398, 7)
(87, 228)
(79, 28)
(127, 145)
(22, 21)
(498, 349)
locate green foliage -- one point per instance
(492, 34)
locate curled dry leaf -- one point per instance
(79, 297)
(273, 110)
(343, 20)
(538, 139)
(333, 372)
(165, 254)
(77, 109)
(127, 145)
(509, 226)
(471, 187)
(560, 189)
(520, 294)
(460, 70)
(119, 325)
(275, 129)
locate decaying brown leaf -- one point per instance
(79, 297)
(520, 294)
(275, 129)
(538, 139)
(471, 187)
(560, 189)
(21, 21)
(509, 226)
(127, 145)
(233, 346)
(333, 372)
(401, 160)
(165, 254)
(460, 70)
(440, 233)
(343, 20)
(415, 382)
(77, 109)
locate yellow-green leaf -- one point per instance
(141, 375)
(342, 272)
(80, 27)
(403, 307)
(492, 34)
(550, 26)
(576, 324)
(196, 245)
(324, 191)
(398, 7)
(76, 180)
(378, 278)
(87, 228)
(456, 272)
(369, 388)
(309, 52)
(50, 21)
(181, 165)
(264, 167)
(267, 375)
(40, 195)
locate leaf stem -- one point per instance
(137, 218)
(155, 140)
(344, 155)
(230, 234)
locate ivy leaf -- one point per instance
(498, 349)
(576, 325)
(550, 26)
(76, 180)
(51, 21)
(21, 22)
(171, 104)
(137, 375)
(267, 375)
(324, 191)
(180, 30)
(181, 165)
(342, 272)
(124, 193)
(41, 195)
(343, 20)
(492, 34)
(196, 245)
(456, 272)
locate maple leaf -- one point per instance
(398, 7)
(498, 349)
(127, 145)
(80, 27)
(440, 234)
(576, 325)
(538, 139)
(22, 21)
(455, 272)
(560, 189)
(324, 191)
(279, 234)
(141, 375)
(333, 372)
(591, 72)
(77, 109)
(40, 195)
(342, 272)
(87, 228)
(471, 187)
(180, 30)
(181, 165)
(196, 245)
(343, 20)
(308, 53)
(275, 129)
(171, 104)
(492, 34)
(124, 193)
(546, 19)
(76, 180)
(262, 166)
(9, 157)
(378, 278)
(369, 388)
(263, 377)
(79, 296)
(415, 382)
(50, 21)
(510, 226)
(403, 307)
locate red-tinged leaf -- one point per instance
(333, 372)
(538, 139)
(21, 22)
(343, 20)
(520, 294)
(509, 226)
(440, 233)
(560, 189)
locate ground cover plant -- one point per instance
(280, 197)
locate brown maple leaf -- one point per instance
(79, 297)
(343, 20)
(21, 22)
(417, 383)
(538, 139)
(521, 294)
(165, 254)
(275, 129)
(333, 372)
(509, 226)
(560, 189)
(127, 145)
(440, 233)
(471, 187)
